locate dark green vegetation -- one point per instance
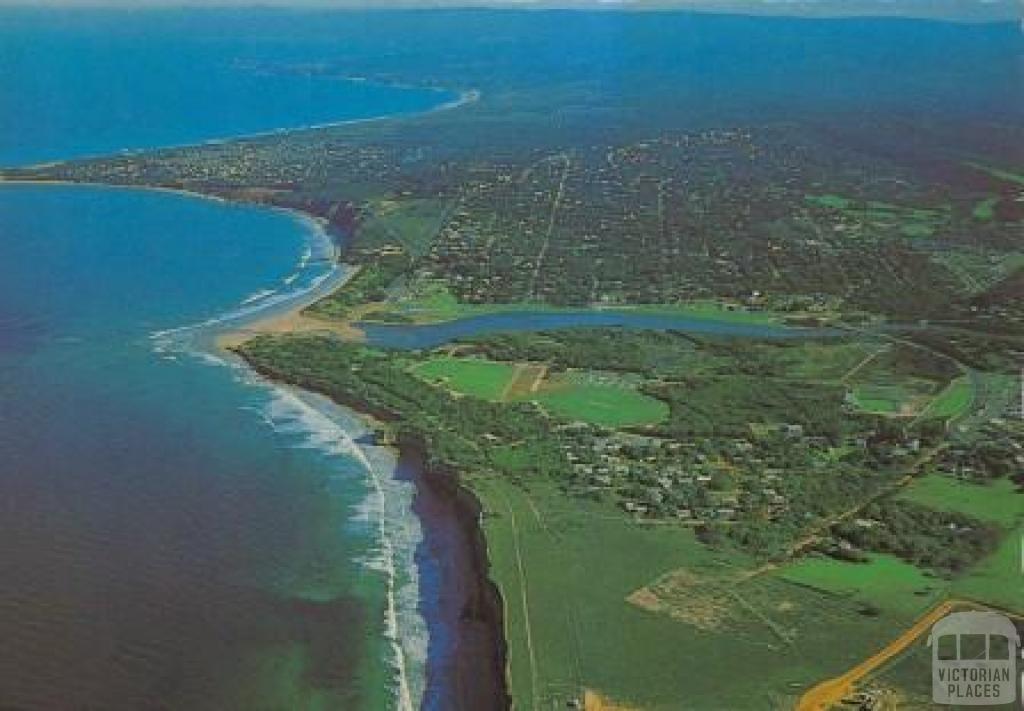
(464, 432)
(944, 541)
(689, 434)
(589, 588)
(634, 484)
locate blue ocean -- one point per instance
(175, 533)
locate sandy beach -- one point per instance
(292, 321)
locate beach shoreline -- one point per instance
(474, 675)
(463, 97)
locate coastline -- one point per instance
(475, 672)
(463, 97)
(276, 318)
(468, 604)
(472, 675)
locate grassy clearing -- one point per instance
(885, 582)
(567, 396)
(605, 405)
(834, 202)
(566, 568)
(985, 211)
(997, 501)
(998, 580)
(912, 222)
(430, 301)
(881, 399)
(894, 383)
(411, 224)
(713, 310)
(471, 376)
(954, 401)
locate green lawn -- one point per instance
(430, 301)
(885, 582)
(985, 210)
(565, 397)
(834, 202)
(471, 376)
(997, 501)
(999, 579)
(886, 399)
(913, 222)
(605, 405)
(954, 400)
(409, 223)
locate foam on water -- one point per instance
(258, 296)
(308, 421)
(313, 422)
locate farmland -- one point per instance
(883, 582)
(578, 612)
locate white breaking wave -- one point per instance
(317, 423)
(258, 296)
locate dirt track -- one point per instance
(832, 691)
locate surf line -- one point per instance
(199, 341)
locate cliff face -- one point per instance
(472, 677)
(467, 661)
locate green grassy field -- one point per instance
(411, 224)
(471, 376)
(998, 501)
(605, 405)
(884, 399)
(566, 567)
(885, 582)
(985, 210)
(999, 579)
(913, 222)
(954, 401)
(430, 301)
(564, 396)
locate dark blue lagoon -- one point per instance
(434, 334)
